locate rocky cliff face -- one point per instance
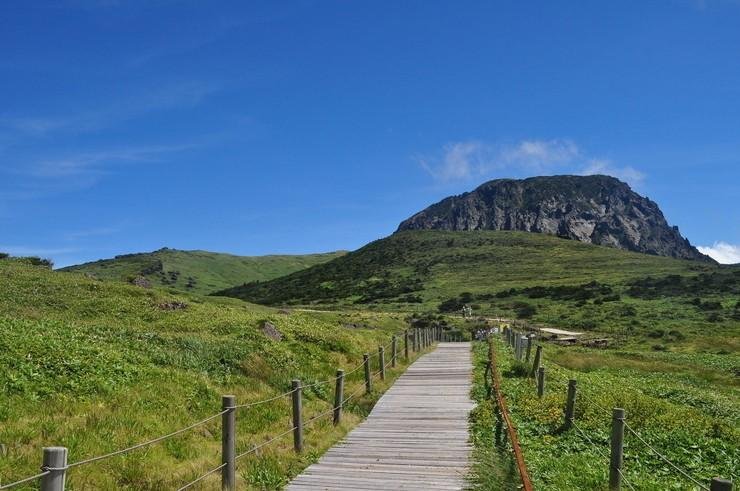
(595, 209)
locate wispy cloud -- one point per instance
(627, 174)
(36, 251)
(466, 160)
(173, 96)
(722, 252)
(92, 232)
(96, 163)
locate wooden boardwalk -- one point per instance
(416, 437)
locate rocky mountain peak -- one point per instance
(595, 209)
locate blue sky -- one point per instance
(292, 127)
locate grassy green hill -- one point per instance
(656, 300)
(199, 271)
(96, 366)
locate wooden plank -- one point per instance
(416, 437)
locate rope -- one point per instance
(213, 471)
(664, 458)
(254, 449)
(257, 403)
(23, 481)
(150, 442)
(602, 453)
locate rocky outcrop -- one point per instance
(594, 209)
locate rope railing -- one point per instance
(59, 454)
(516, 341)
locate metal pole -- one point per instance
(297, 417)
(381, 362)
(617, 449)
(570, 404)
(228, 443)
(338, 397)
(55, 461)
(394, 348)
(368, 379)
(540, 381)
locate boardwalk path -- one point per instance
(415, 438)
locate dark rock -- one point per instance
(174, 305)
(594, 209)
(141, 282)
(269, 330)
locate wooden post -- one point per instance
(537, 359)
(719, 484)
(297, 417)
(54, 460)
(381, 362)
(415, 340)
(228, 443)
(394, 351)
(368, 378)
(617, 449)
(570, 404)
(540, 381)
(339, 397)
(406, 344)
(530, 338)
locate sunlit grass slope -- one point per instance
(199, 271)
(96, 366)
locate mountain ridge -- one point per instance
(596, 209)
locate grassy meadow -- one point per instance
(687, 406)
(199, 272)
(97, 366)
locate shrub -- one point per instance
(656, 333)
(4, 255)
(524, 310)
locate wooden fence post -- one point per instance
(381, 362)
(228, 443)
(394, 351)
(537, 359)
(719, 484)
(406, 344)
(339, 397)
(368, 378)
(54, 458)
(617, 449)
(297, 417)
(530, 338)
(570, 404)
(540, 381)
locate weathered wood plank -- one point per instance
(416, 437)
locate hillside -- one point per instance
(97, 366)
(593, 209)
(434, 265)
(636, 297)
(198, 271)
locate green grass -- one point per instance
(199, 271)
(96, 366)
(657, 302)
(687, 406)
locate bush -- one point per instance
(37, 261)
(524, 310)
(656, 333)
(4, 255)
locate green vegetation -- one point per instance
(686, 406)
(198, 271)
(626, 296)
(96, 366)
(438, 265)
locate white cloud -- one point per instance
(35, 251)
(473, 159)
(93, 163)
(627, 174)
(722, 252)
